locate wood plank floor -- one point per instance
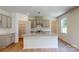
(14, 47)
(18, 47)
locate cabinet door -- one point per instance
(12, 38)
(0, 21)
(9, 22)
(7, 40)
(4, 21)
(4, 41)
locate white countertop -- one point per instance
(41, 34)
(5, 31)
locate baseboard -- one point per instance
(63, 39)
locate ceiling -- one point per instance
(53, 11)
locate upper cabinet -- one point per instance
(5, 21)
(39, 20)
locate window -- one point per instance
(64, 25)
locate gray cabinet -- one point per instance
(6, 40)
(5, 21)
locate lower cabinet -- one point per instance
(6, 40)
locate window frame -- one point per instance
(63, 24)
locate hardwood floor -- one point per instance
(14, 47)
(18, 47)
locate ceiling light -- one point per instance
(38, 12)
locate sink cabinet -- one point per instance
(6, 40)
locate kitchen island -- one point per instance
(40, 40)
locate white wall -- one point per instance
(15, 18)
(15, 26)
(72, 37)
